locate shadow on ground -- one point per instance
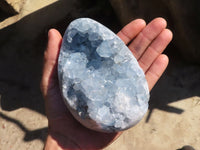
(22, 45)
(29, 135)
(21, 56)
(180, 81)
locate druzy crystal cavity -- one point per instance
(101, 82)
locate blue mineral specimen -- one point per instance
(101, 82)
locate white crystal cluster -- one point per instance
(101, 81)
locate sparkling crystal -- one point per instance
(100, 79)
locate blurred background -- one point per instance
(173, 118)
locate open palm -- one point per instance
(146, 42)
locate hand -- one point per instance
(146, 42)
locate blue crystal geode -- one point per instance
(101, 82)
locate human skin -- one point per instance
(146, 42)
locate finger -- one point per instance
(131, 30)
(148, 34)
(156, 70)
(155, 49)
(50, 58)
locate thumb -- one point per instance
(50, 60)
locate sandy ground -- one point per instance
(172, 120)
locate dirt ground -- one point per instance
(171, 122)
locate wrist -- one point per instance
(58, 142)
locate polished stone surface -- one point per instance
(100, 79)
